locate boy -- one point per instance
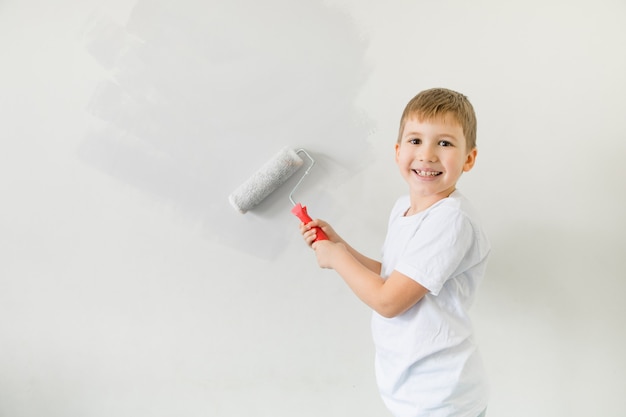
(433, 259)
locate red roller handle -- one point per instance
(300, 211)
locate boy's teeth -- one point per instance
(427, 173)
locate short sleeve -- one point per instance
(439, 248)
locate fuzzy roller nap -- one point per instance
(268, 178)
(271, 176)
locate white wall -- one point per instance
(129, 286)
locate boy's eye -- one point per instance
(445, 143)
(415, 141)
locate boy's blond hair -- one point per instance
(440, 102)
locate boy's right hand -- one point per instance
(309, 232)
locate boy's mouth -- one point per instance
(421, 173)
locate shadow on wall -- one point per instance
(201, 95)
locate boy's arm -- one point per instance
(371, 264)
(388, 297)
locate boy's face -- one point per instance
(431, 156)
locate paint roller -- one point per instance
(271, 176)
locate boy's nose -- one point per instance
(427, 153)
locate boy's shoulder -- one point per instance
(455, 202)
(459, 210)
(455, 212)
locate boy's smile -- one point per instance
(426, 173)
(431, 156)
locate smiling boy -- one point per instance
(433, 259)
(431, 156)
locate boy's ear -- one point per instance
(397, 147)
(470, 160)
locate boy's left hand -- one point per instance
(328, 252)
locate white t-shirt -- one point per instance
(427, 363)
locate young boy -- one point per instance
(433, 259)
